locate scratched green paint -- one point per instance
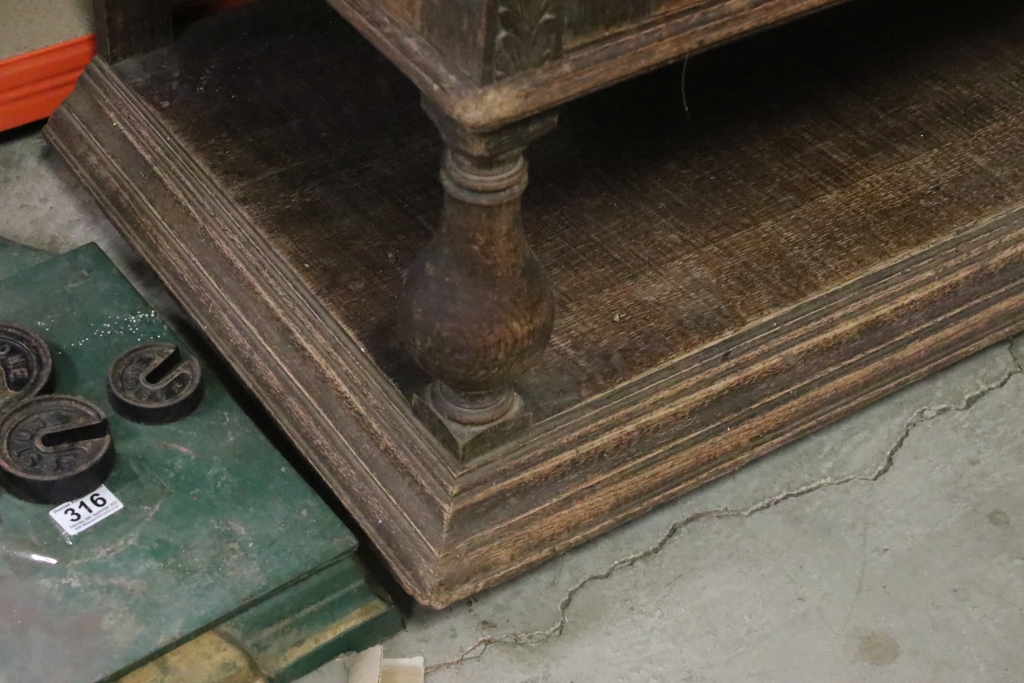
(214, 520)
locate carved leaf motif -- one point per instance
(529, 35)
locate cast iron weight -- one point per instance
(54, 449)
(151, 384)
(26, 366)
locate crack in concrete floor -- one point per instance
(918, 417)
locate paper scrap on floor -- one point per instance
(371, 667)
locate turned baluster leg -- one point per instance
(477, 308)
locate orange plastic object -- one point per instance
(33, 84)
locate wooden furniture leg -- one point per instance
(127, 28)
(477, 307)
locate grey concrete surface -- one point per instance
(888, 547)
(42, 205)
(27, 25)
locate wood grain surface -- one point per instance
(489, 63)
(832, 211)
(126, 28)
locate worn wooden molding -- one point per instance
(368, 416)
(452, 60)
(448, 528)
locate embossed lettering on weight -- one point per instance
(25, 365)
(15, 366)
(26, 453)
(26, 457)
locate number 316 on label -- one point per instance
(78, 515)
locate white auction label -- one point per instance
(78, 515)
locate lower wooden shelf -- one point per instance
(832, 212)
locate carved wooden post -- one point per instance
(477, 307)
(126, 28)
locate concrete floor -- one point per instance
(888, 547)
(27, 25)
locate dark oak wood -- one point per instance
(493, 62)
(462, 28)
(486, 66)
(834, 213)
(127, 28)
(477, 308)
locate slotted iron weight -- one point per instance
(55, 448)
(152, 384)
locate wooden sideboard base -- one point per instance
(838, 215)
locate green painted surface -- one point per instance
(340, 602)
(15, 257)
(214, 518)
